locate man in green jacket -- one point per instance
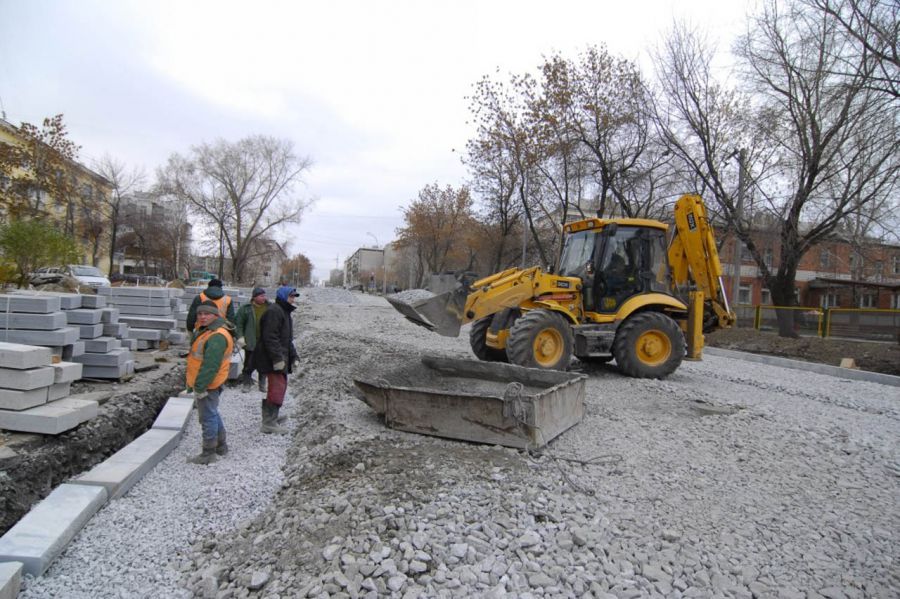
(215, 294)
(247, 332)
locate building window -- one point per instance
(895, 301)
(745, 294)
(829, 300)
(895, 264)
(878, 269)
(868, 300)
(855, 259)
(826, 258)
(769, 257)
(766, 297)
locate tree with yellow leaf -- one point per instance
(441, 230)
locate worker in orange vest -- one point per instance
(215, 294)
(207, 370)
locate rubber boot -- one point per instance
(262, 383)
(207, 456)
(222, 447)
(246, 381)
(280, 418)
(270, 420)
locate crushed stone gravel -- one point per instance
(726, 479)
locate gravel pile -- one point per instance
(727, 479)
(411, 296)
(328, 295)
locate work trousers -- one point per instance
(248, 362)
(277, 387)
(211, 424)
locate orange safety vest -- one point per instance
(195, 358)
(222, 304)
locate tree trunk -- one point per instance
(782, 289)
(113, 233)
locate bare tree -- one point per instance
(124, 181)
(872, 28)
(504, 133)
(607, 102)
(494, 181)
(244, 189)
(835, 138)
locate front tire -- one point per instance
(541, 339)
(649, 345)
(478, 341)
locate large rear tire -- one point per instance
(541, 339)
(649, 345)
(478, 341)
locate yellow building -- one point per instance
(38, 182)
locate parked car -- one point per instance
(151, 280)
(48, 274)
(87, 275)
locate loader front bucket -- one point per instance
(442, 313)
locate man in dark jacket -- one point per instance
(275, 355)
(216, 295)
(246, 325)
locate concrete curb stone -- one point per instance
(845, 373)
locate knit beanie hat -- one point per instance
(208, 307)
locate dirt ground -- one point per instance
(871, 356)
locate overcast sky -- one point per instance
(373, 91)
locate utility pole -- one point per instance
(738, 215)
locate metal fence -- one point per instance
(869, 324)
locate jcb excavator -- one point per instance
(617, 292)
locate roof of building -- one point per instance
(830, 283)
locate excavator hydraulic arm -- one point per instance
(694, 259)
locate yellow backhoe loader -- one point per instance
(617, 292)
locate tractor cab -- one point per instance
(616, 260)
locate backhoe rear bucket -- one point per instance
(442, 313)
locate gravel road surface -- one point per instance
(728, 479)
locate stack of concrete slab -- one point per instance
(96, 336)
(38, 319)
(149, 312)
(34, 391)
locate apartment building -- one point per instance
(47, 185)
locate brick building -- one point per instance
(833, 274)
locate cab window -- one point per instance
(577, 254)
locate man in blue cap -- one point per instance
(275, 355)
